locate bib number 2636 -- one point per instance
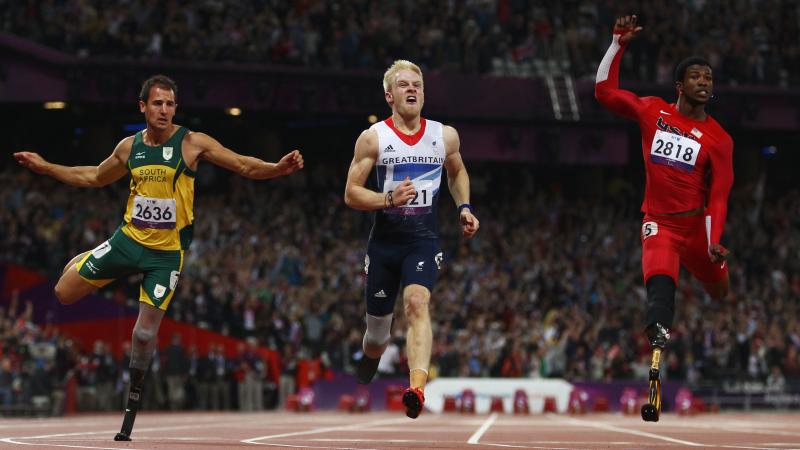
(153, 212)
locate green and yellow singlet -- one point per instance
(159, 214)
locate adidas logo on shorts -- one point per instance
(380, 294)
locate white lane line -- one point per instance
(274, 444)
(531, 446)
(394, 441)
(566, 443)
(744, 447)
(115, 431)
(17, 440)
(321, 430)
(605, 426)
(608, 427)
(477, 435)
(39, 444)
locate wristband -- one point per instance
(390, 199)
(464, 205)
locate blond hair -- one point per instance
(400, 64)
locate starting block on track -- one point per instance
(362, 402)
(450, 403)
(550, 405)
(468, 401)
(346, 402)
(600, 404)
(394, 398)
(292, 402)
(578, 402)
(521, 405)
(497, 404)
(629, 402)
(305, 399)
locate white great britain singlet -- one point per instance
(419, 157)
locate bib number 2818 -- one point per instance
(674, 150)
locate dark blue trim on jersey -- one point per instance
(414, 170)
(380, 173)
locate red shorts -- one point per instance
(669, 242)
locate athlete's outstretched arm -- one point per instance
(717, 210)
(247, 166)
(458, 180)
(110, 170)
(606, 88)
(359, 197)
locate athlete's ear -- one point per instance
(679, 87)
(141, 106)
(388, 96)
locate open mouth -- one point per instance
(411, 99)
(702, 93)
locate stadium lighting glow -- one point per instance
(55, 105)
(372, 118)
(234, 111)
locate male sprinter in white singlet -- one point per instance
(407, 153)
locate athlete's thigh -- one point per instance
(114, 258)
(161, 272)
(422, 263)
(695, 258)
(382, 267)
(660, 254)
(72, 287)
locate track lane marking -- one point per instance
(477, 435)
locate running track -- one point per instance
(331, 430)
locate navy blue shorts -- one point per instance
(389, 265)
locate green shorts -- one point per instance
(121, 256)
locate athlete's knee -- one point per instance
(378, 335)
(64, 294)
(143, 335)
(416, 304)
(661, 300)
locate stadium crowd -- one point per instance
(550, 287)
(751, 42)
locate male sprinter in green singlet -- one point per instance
(157, 227)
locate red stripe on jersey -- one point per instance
(410, 139)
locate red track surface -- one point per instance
(328, 430)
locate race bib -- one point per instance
(153, 212)
(673, 150)
(419, 204)
(649, 229)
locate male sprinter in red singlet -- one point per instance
(407, 153)
(157, 225)
(689, 167)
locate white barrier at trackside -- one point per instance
(486, 388)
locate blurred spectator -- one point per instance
(106, 373)
(749, 42)
(7, 381)
(176, 369)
